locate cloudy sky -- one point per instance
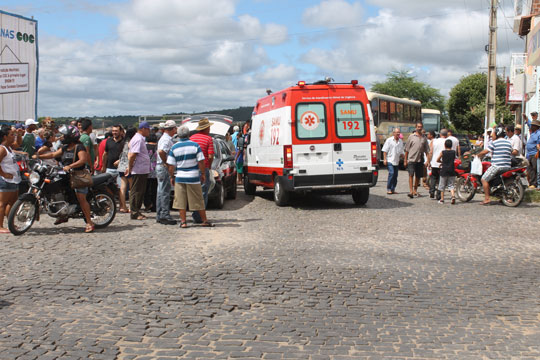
(159, 56)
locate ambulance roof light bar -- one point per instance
(354, 82)
(302, 83)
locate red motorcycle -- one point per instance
(507, 185)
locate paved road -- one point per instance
(321, 279)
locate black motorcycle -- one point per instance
(50, 191)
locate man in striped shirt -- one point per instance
(501, 159)
(206, 143)
(187, 170)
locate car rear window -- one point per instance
(311, 121)
(350, 119)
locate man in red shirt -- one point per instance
(206, 143)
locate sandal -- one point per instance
(453, 201)
(89, 228)
(140, 217)
(183, 225)
(125, 211)
(4, 231)
(207, 224)
(485, 203)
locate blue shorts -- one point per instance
(83, 190)
(7, 186)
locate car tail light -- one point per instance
(373, 153)
(288, 157)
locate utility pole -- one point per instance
(492, 67)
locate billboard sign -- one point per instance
(18, 67)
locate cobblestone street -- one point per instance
(320, 279)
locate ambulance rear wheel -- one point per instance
(281, 196)
(249, 188)
(360, 196)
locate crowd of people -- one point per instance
(431, 158)
(146, 162)
(149, 165)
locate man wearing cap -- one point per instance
(165, 143)
(206, 143)
(29, 139)
(139, 168)
(531, 150)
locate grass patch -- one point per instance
(531, 196)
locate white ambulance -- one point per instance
(312, 138)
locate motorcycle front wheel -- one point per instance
(103, 209)
(514, 193)
(22, 216)
(465, 189)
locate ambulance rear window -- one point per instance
(350, 120)
(310, 121)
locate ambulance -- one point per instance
(312, 138)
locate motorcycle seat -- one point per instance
(101, 178)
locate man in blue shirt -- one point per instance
(531, 150)
(501, 159)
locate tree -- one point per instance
(467, 103)
(403, 85)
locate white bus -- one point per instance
(431, 119)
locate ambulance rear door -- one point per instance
(312, 143)
(352, 162)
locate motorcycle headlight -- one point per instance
(34, 177)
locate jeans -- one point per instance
(532, 171)
(537, 173)
(205, 187)
(114, 172)
(163, 196)
(136, 194)
(434, 185)
(392, 177)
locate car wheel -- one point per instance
(249, 188)
(220, 199)
(281, 196)
(231, 194)
(360, 196)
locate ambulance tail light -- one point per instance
(373, 153)
(287, 157)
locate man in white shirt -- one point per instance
(393, 150)
(435, 149)
(455, 143)
(163, 214)
(514, 138)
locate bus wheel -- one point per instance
(281, 196)
(360, 196)
(249, 188)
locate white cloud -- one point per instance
(439, 47)
(333, 13)
(170, 56)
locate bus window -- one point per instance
(350, 120)
(310, 121)
(393, 116)
(383, 116)
(407, 113)
(375, 111)
(399, 111)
